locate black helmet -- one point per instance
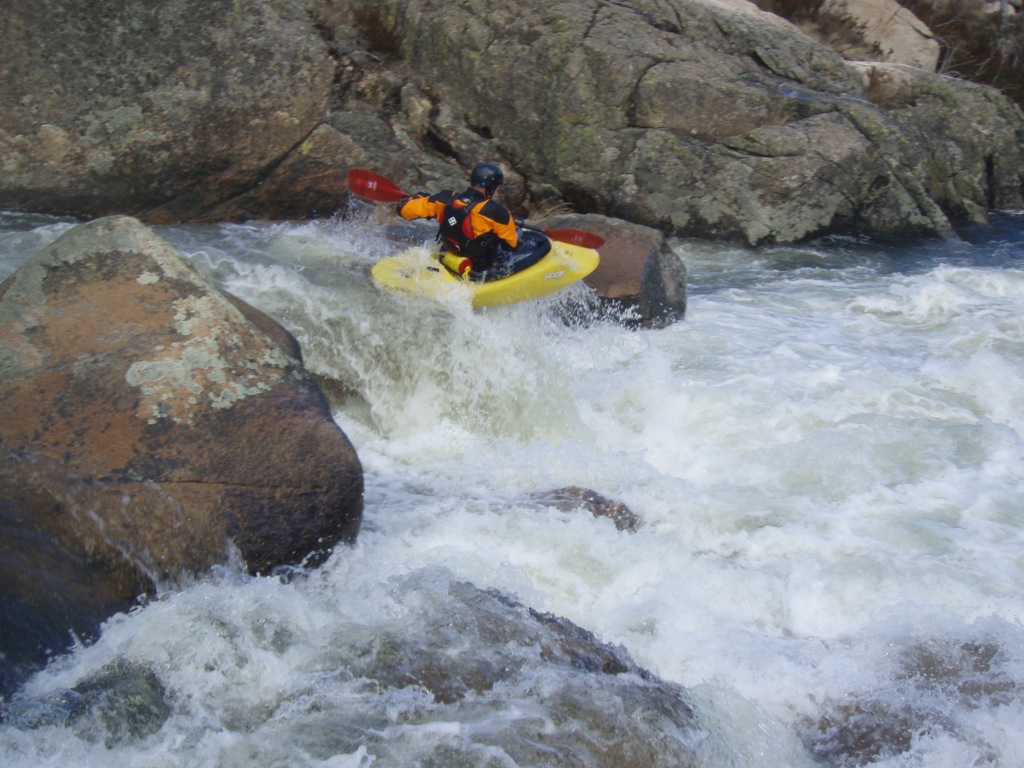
(488, 176)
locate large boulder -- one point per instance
(707, 119)
(963, 142)
(153, 427)
(159, 109)
(639, 272)
(701, 118)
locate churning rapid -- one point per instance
(826, 457)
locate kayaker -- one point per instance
(473, 224)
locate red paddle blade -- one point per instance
(373, 186)
(575, 237)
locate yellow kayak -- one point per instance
(422, 270)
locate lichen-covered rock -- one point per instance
(149, 428)
(700, 118)
(708, 119)
(158, 109)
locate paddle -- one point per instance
(375, 187)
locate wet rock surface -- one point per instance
(699, 119)
(150, 430)
(572, 498)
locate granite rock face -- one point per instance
(162, 110)
(711, 119)
(700, 118)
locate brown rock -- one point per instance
(638, 270)
(149, 427)
(573, 497)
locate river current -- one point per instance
(826, 457)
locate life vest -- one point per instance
(455, 229)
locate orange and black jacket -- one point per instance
(469, 223)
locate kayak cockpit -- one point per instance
(533, 246)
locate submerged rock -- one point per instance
(123, 701)
(573, 497)
(150, 428)
(929, 682)
(421, 670)
(532, 688)
(537, 687)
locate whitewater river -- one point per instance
(825, 456)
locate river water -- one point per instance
(825, 456)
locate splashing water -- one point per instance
(826, 458)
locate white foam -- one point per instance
(827, 462)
